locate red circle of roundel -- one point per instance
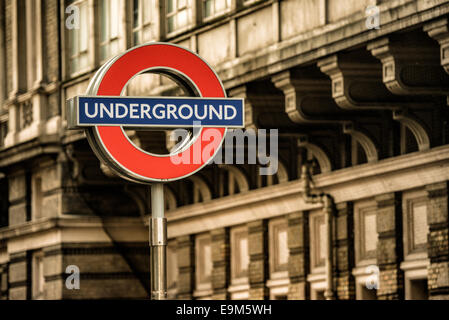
(120, 72)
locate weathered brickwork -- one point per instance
(343, 246)
(8, 43)
(438, 241)
(389, 247)
(19, 276)
(298, 260)
(258, 263)
(100, 265)
(186, 266)
(220, 263)
(19, 198)
(51, 40)
(4, 281)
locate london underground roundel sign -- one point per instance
(104, 111)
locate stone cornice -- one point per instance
(364, 181)
(82, 222)
(323, 41)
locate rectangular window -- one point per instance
(239, 254)
(318, 241)
(32, 28)
(141, 21)
(365, 293)
(110, 15)
(415, 223)
(37, 198)
(3, 131)
(78, 39)
(38, 280)
(365, 219)
(213, 8)
(179, 14)
(203, 257)
(418, 289)
(278, 246)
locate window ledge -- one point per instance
(238, 287)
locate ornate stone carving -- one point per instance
(401, 72)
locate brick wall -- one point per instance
(298, 260)
(438, 241)
(18, 198)
(258, 263)
(221, 263)
(389, 247)
(19, 276)
(104, 273)
(4, 281)
(344, 248)
(8, 43)
(186, 265)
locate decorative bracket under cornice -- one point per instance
(439, 30)
(307, 100)
(357, 85)
(263, 108)
(401, 72)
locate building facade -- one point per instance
(358, 208)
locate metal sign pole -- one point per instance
(158, 243)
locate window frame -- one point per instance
(215, 13)
(109, 38)
(190, 7)
(362, 209)
(142, 25)
(69, 34)
(239, 275)
(203, 284)
(410, 200)
(38, 275)
(275, 227)
(317, 263)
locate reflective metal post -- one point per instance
(158, 243)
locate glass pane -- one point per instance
(114, 18)
(208, 8)
(182, 4)
(283, 247)
(114, 47)
(220, 5)
(104, 20)
(181, 19)
(244, 256)
(136, 10)
(104, 51)
(84, 28)
(146, 35)
(207, 260)
(171, 24)
(74, 65)
(83, 61)
(74, 38)
(146, 10)
(170, 5)
(136, 39)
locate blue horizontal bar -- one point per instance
(159, 112)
